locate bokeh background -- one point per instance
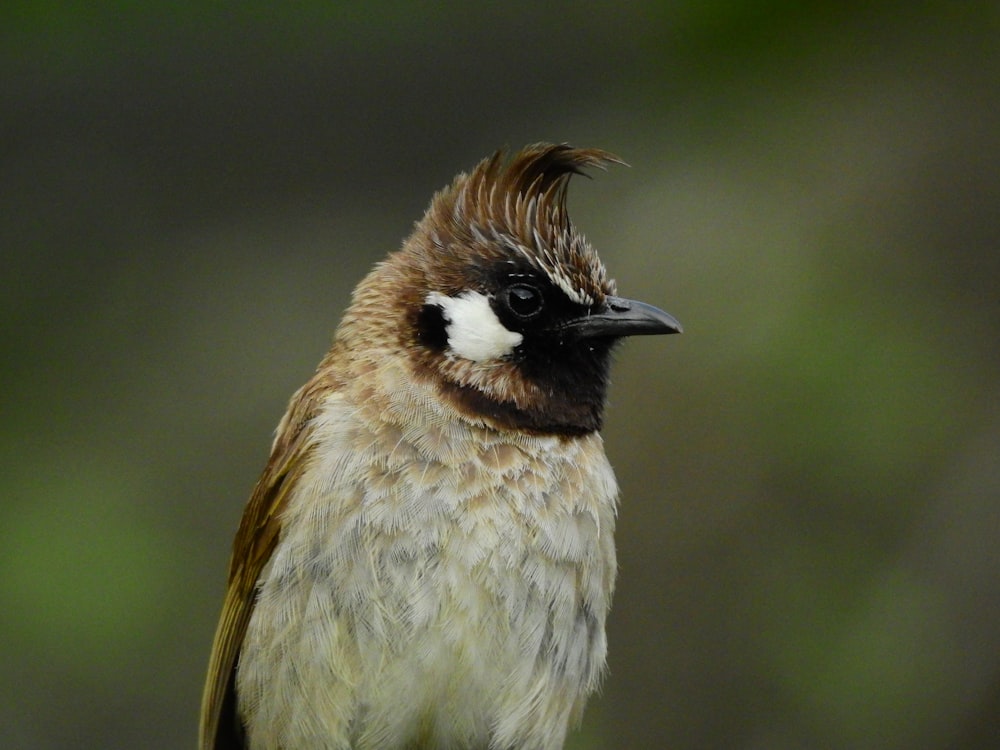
(810, 526)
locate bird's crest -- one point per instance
(515, 209)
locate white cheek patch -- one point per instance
(474, 331)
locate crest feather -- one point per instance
(515, 208)
(529, 190)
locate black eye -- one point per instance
(524, 300)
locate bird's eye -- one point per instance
(524, 300)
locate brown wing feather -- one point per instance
(252, 548)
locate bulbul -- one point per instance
(427, 560)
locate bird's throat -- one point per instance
(556, 414)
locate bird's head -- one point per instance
(500, 303)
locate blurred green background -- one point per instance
(810, 526)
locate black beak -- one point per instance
(623, 317)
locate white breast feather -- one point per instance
(475, 607)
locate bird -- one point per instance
(427, 560)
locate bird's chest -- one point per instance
(427, 600)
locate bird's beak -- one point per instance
(623, 317)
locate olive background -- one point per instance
(810, 515)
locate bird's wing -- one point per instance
(252, 548)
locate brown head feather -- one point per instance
(508, 215)
(516, 210)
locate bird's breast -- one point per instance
(436, 584)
